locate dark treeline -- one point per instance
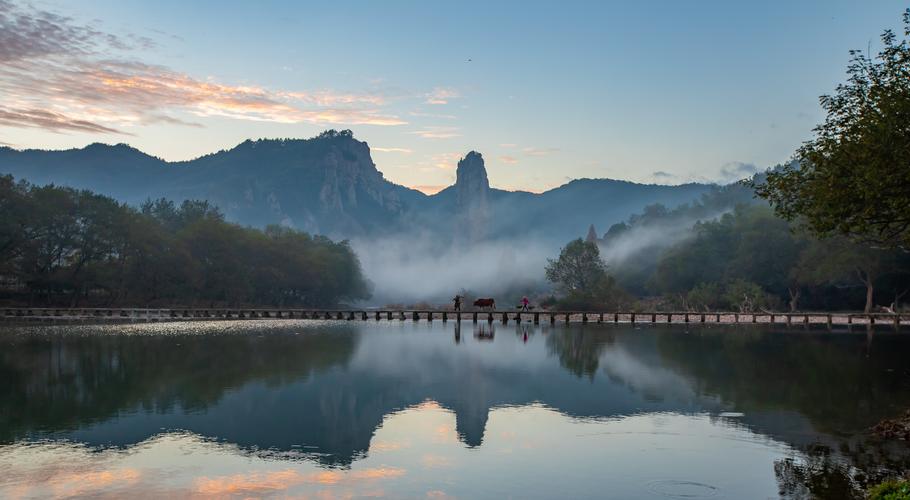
(749, 259)
(65, 247)
(740, 259)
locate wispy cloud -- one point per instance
(442, 95)
(392, 150)
(736, 170)
(421, 114)
(445, 161)
(28, 33)
(436, 132)
(55, 122)
(54, 75)
(539, 151)
(511, 160)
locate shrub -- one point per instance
(892, 489)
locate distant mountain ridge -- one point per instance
(329, 185)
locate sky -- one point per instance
(657, 92)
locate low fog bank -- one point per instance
(413, 268)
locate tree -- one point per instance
(60, 245)
(578, 267)
(853, 178)
(580, 275)
(840, 261)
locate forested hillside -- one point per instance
(61, 246)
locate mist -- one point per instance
(411, 268)
(638, 238)
(631, 254)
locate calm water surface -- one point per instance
(349, 410)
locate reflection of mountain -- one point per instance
(327, 392)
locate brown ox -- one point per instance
(482, 303)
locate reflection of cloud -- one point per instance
(386, 446)
(437, 132)
(261, 482)
(431, 461)
(439, 494)
(445, 434)
(86, 483)
(441, 95)
(54, 77)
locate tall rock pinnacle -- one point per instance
(472, 198)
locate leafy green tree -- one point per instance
(840, 261)
(853, 178)
(578, 268)
(581, 277)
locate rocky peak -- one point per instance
(472, 197)
(471, 174)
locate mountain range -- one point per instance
(330, 185)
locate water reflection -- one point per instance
(305, 396)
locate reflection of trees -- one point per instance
(833, 380)
(62, 382)
(816, 475)
(838, 383)
(847, 472)
(578, 349)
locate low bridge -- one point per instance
(39, 314)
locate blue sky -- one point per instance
(662, 92)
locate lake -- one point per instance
(326, 409)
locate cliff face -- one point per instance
(327, 185)
(472, 199)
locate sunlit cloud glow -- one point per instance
(392, 150)
(442, 95)
(437, 133)
(55, 77)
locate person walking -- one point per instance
(457, 301)
(524, 303)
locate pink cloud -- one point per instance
(53, 78)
